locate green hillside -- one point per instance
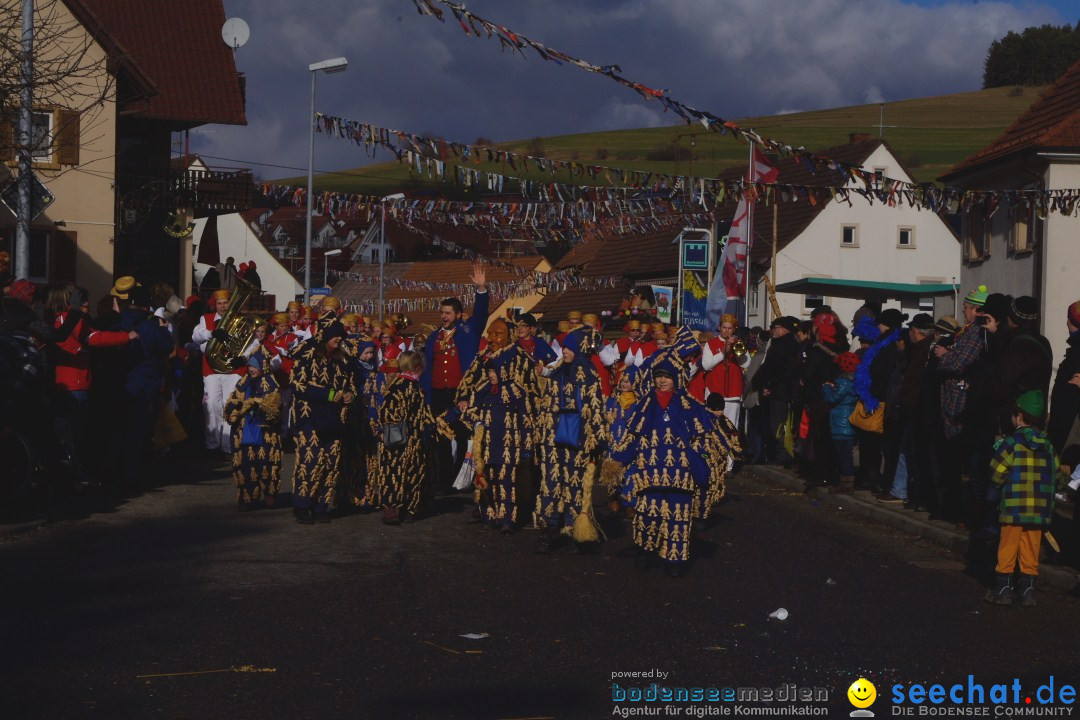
(930, 136)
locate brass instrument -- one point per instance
(739, 350)
(240, 328)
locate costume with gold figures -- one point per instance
(571, 432)
(254, 412)
(676, 455)
(403, 471)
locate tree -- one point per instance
(1037, 56)
(71, 79)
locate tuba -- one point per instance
(241, 330)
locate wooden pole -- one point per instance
(775, 236)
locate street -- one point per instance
(173, 605)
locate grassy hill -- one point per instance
(930, 136)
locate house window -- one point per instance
(41, 135)
(812, 302)
(905, 237)
(976, 242)
(755, 292)
(849, 236)
(880, 173)
(39, 257)
(1024, 233)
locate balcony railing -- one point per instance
(215, 192)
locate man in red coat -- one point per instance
(724, 370)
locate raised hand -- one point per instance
(479, 276)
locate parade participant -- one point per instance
(617, 410)
(572, 434)
(323, 393)
(253, 411)
(447, 355)
(556, 342)
(676, 454)
(408, 429)
(629, 350)
(502, 371)
(723, 368)
(574, 318)
(298, 324)
(351, 321)
(371, 398)
(361, 451)
(1024, 476)
(216, 386)
(538, 348)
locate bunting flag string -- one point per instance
(683, 191)
(874, 185)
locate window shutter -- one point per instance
(63, 248)
(7, 134)
(67, 137)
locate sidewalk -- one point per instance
(863, 503)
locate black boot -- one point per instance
(641, 560)
(1025, 588)
(304, 516)
(547, 539)
(1001, 592)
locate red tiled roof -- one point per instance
(1053, 121)
(177, 45)
(353, 293)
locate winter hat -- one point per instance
(788, 322)
(1024, 309)
(826, 331)
(173, 305)
(255, 361)
(1074, 313)
(996, 306)
(24, 290)
(1033, 403)
(848, 361)
(977, 297)
(922, 321)
(526, 319)
(891, 318)
(333, 330)
(191, 300)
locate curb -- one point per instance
(9, 531)
(862, 503)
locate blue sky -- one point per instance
(736, 58)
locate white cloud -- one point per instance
(738, 58)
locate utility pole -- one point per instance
(26, 101)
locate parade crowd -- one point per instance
(939, 415)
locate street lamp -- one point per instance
(326, 265)
(382, 245)
(333, 65)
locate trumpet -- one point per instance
(739, 350)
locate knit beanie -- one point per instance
(997, 306)
(1033, 402)
(1074, 314)
(892, 318)
(977, 297)
(848, 361)
(1024, 309)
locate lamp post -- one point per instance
(382, 246)
(326, 265)
(333, 65)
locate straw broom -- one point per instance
(586, 529)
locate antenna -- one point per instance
(235, 32)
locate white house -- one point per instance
(1018, 249)
(874, 246)
(238, 240)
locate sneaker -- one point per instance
(890, 499)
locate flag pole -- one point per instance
(750, 202)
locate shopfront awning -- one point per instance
(866, 289)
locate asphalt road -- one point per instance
(173, 605)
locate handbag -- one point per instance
(568, 430)
(870, 422)
(395, 435)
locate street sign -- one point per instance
(40, 197)
(695, 254)
(320, 291)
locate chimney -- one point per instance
(855, 138)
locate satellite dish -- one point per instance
(235, 32)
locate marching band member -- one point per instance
(217, 386)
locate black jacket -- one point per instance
(1065, 398)
(778, 372)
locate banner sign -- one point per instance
(662, 296)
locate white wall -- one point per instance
(818, 252)
(1061, 262)
(235, 238)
